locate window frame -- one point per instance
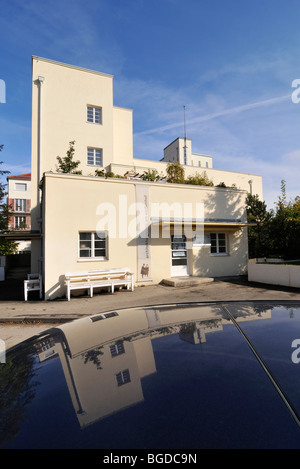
(92, 257)
(117, 349)
(218, 253)
(21, 186)
(93, 108)
(21, 219)
(94, 149)
(20, 203)
(123, 377)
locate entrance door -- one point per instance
(179, 256)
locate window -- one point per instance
(20, 222)
(94, 114)
(93, 245)
(20, 186)
(218, 243)
(123, 377)
(94, 157)
(117, 349)
(20, 205)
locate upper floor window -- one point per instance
(19, 186)
(95, 156)
(20, 205)
(94, 114)
(123, 377)
(117, 349)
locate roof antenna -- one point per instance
(184, 148)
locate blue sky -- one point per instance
(231, 63)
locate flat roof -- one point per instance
(54, 62)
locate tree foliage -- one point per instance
(6, 246)
(151, 175)
(277, 232)
(67, 163)
(175, 173)
(199, 180)
(260, 244)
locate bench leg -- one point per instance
(25, 293)
(91, 291)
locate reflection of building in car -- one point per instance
(94, 358)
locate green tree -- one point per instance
(259, 236)
(286, 225)
(175, 173)
(275, 232)
(6, 246)
(67, 164)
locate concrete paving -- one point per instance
(20, 319)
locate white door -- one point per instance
(179, 256)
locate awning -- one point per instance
(206, 222)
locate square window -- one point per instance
(94, 157)
(123, 377)
(94, 114)
(218, 244)
(117, 349)
(93, 245)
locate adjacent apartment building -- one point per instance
(19, 200)
(88, 221)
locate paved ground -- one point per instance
(20, 320)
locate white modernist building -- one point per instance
(89, 221)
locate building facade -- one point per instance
(19, 200)
(89, 221)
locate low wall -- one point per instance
(274, 274)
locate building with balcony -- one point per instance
(19, 200)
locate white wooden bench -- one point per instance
(33, 283)
(90, 279)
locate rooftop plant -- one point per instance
(67, 163)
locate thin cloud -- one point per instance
(225, 112)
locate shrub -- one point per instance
(199, 180)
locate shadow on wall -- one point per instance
(228, 205)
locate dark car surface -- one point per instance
(179, 376)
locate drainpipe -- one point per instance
(40, 81)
